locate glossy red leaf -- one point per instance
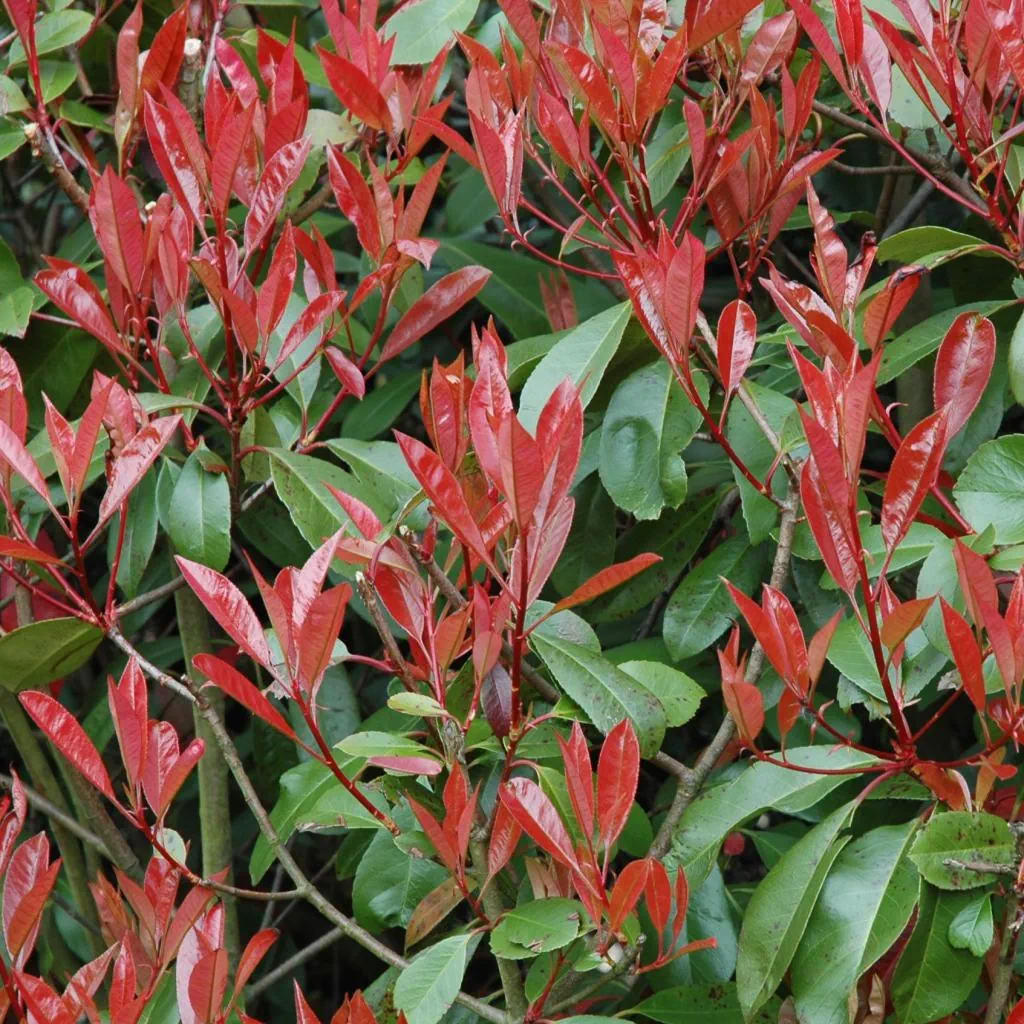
(16, 456)
(885, 308)
(769, 47)
(535, 814)
(505, 834)
(407, 765)
(64, 732)
(179, 154)
(207, 984)
(233, 683)
(281, 172)
(355, 91)
(618, 773)
(228, 155)
(976, 582)
(737, 336)
(437, 304)
(684, 283)
(915, 469)
(303, 1011)
(166, 52)
(135, 460)
(355, 200)
(114, 214)
(28, 882)
(319, 311)
(744, 703)
(128, 700)
(26, 552)
(72, 290)
(606, 579)
(966, 653)
(682, 901)
(348, 374)
(1016, 1015)
(903, 620)
(658, 895)
(626, 892)
(963, 366)
(579, 780)
(714, 17)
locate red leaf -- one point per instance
(16, 455)
(606, 579)
(64, 732)
(27, 885)
(256, 949)
(72, 290)
(129, 708)
(915, 468)
(769, 47)
(618, 772)
(163, 61)
(505, 835)
(133, 463)
(207, 983)
(179, 154)
(355, 200)
(439, 302)
(115, 219)
(313, 316)
(25, 552)
(229, 154)
(226, 603)
(963, 366)
(303, 1013)
(744, 703)
(356, 91)
(714, 17)
(579, 779)
(626, 893)
(900, 623)
(535, 814)
(1016, 1014)
(737, 336)
(233, 683)
(407, 765)
(658, 896)
(884, 309)
(819, 36)
(966, 653)
(278, 176)
(348, 374)
(684, 283)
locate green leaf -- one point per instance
(582, 356)
(420, 705)
(779, 910)
(12, 137)
(678, 694)
(917, 244)
(381, 407)
(1015, 365)
(15, 310)
(423, 28)
(382, 744)
(722, 809)
(199, 514)
(990, 490)
(379, 466)
(41, 652)
(537, 927)
(962, 836)
(700, 610)
(648, 423)
(865, 903)
(389, 884)
(973, 928)
(702, 1004)
(606, 693)
(139, 536)
(932, 977)
(53, 32)
(591, 543)
(426, 989)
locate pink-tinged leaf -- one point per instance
(915, 469)
(407, 765)
(737, 336)
(303, 1012)
(276, 290)
(356, 91)
(43, 1003)
(444, 491)
(27, 885)
(626, 893)
(134, 462)
(820, 37)
(71, 290)
(65, 733)
(433, 307)
(606, 579)
(714, 17)
(114, 214)
(228, 156)
(496, 695)
(321, 309)
(579, 780)
(348, 374)
(163, 61)
(127, 62)
(976, 582)
(903, 620)
(228, 606)
(355, 201)
(16, 456)
(179, 154)
(233, 683)
(770, 46)
(963, 366)
(180, 770)
(278, 176)
(535, 814)
(618, 773)
(884, 309)
(684, 283)
(207, 984)
(129, 708)
(504, 837)
(830, 530)
(966, 654)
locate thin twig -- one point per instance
(287, 967)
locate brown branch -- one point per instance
(44, 149)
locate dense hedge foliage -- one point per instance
(511, 511)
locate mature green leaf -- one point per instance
(389, 884)
(973, 928)
(932, 977)
(866, 901)
(379, 466)
(606, 693)
(43, 651)
(1015, 361)
(373, 743)
(139, 536)
(426, 989)
(781, 905)
(537, 927)
(721, 809)
(702, 1004)
(381, 407)
(54, 32)
(646, 426)
(990, 491)
(700, 610)
(962, 836)
(916, 244)
(582, 356)
(199, 514)
(422, 29)
(678, 694)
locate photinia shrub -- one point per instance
(511, 512)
